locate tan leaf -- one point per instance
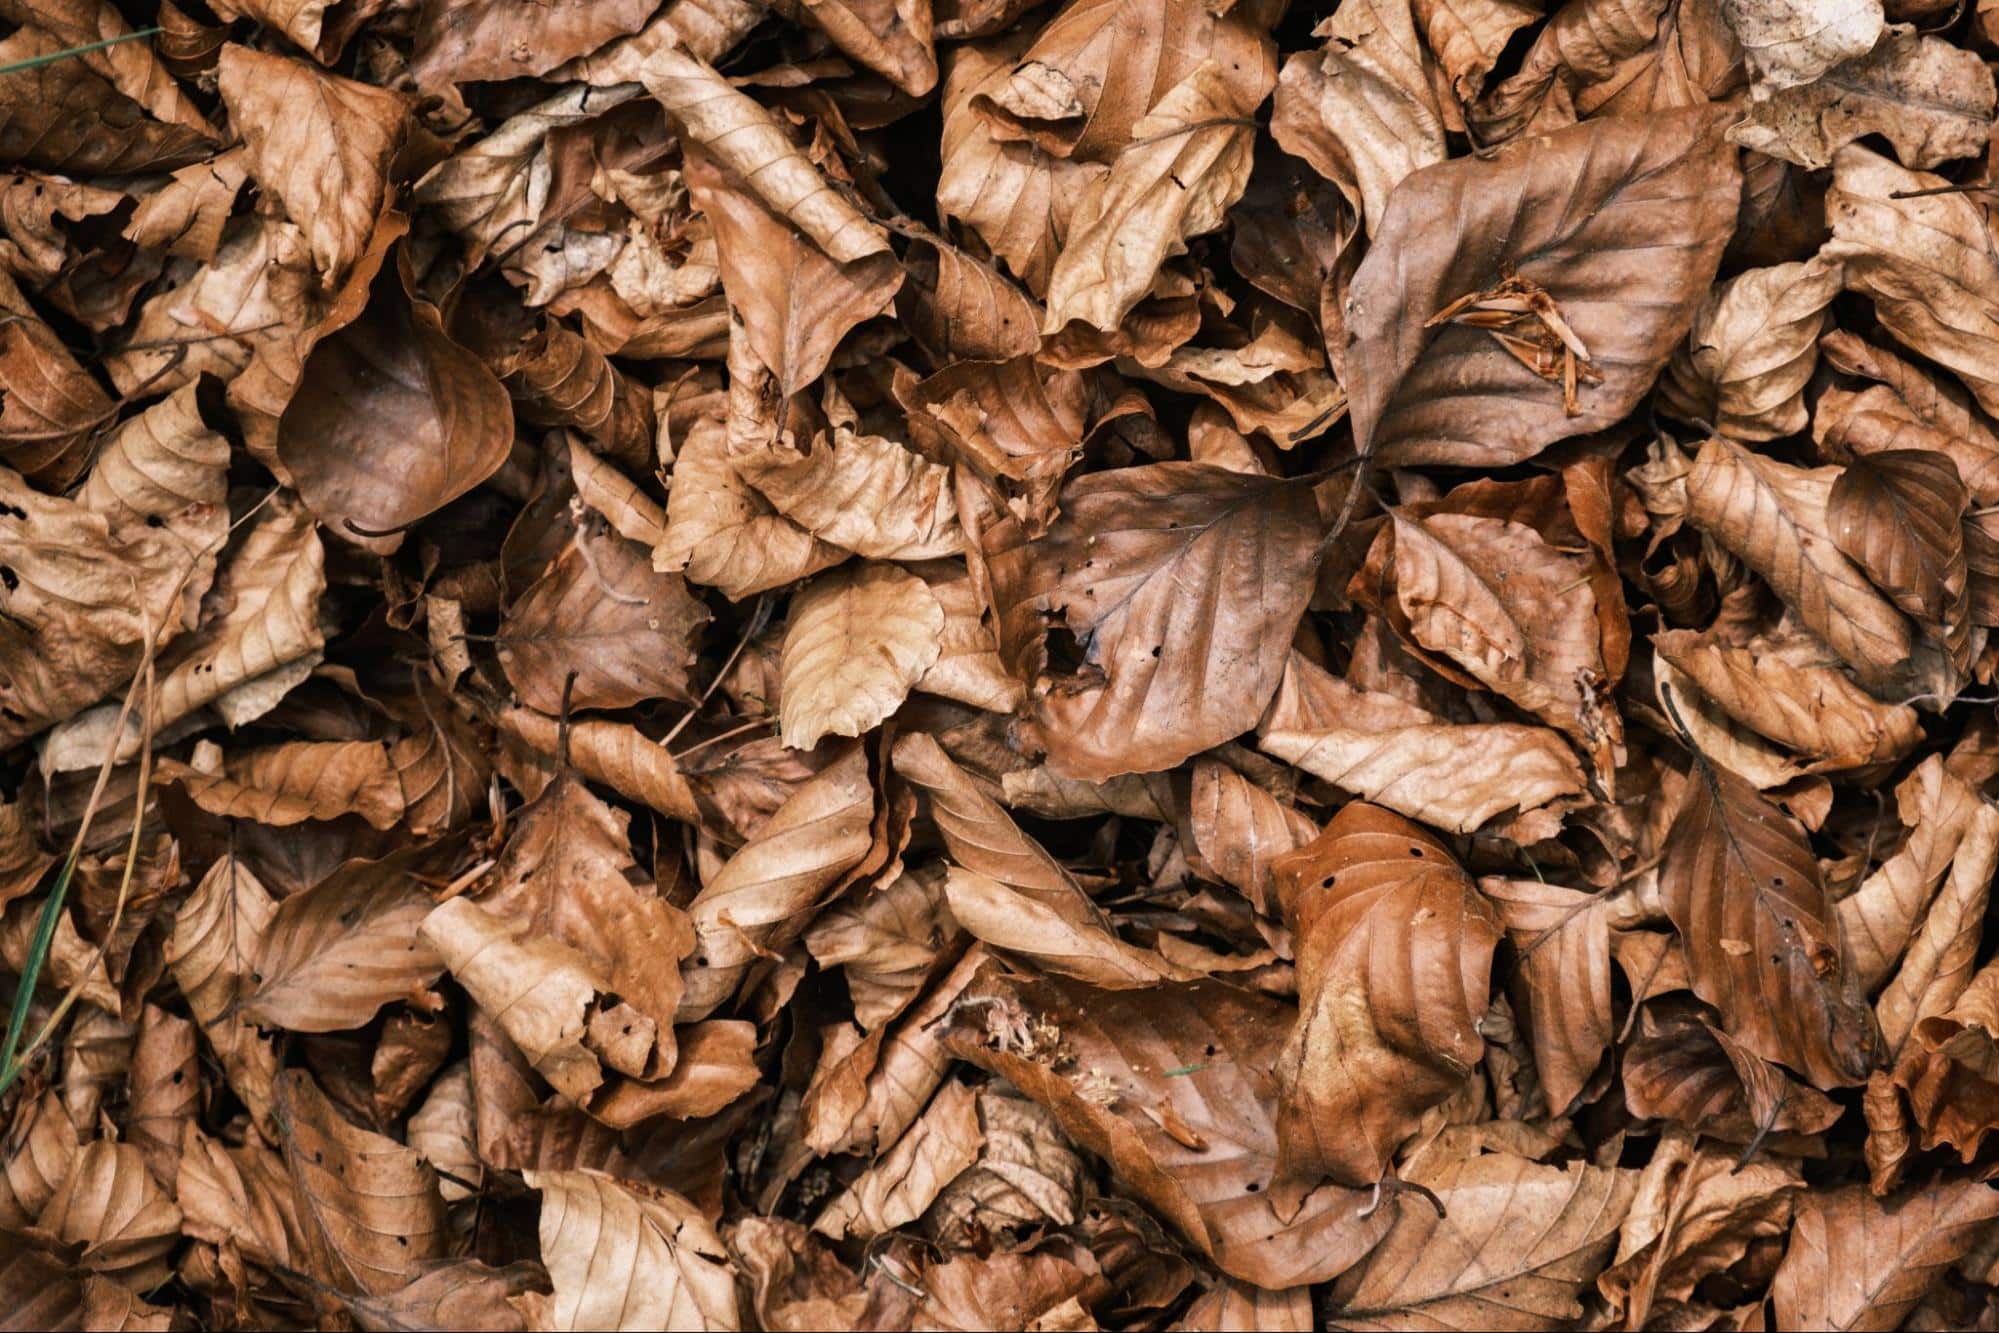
(319, 144)
(1954, 423)
(459, 42)
(370, 1205)
(165, 1090)
(983, 839)
(1943, 952)
(1746, 894)
(602, 614)
(1791, 690)
(723, 532)
(866, 493)
(1027, 1172)
(1753, 346)
(1792, 42)
(314, 25)
(293, 782)
(1375, 903)
(900, 1185)
(539, 990)
(1562, 938)
(1897, 515)
(1188, 163)
(493, 192)
(624, 1255)
(1697, 1211)
(614, 753)
(1926, 263)
(444, 1130)
(1774, 516)
(963, 309)
(856, 641)
(1516, 613)
(890, 37)
(1018, 197)
(743, 140)
(1516, 1245)
(334, 954)
(1167, 674)
(1240, 830)
(1066, 943)
(127, 1226)
(186, 216)
(212, 951)
(1575, 212)
(1683, 1070)
(968, 666)
(1394, 753)
(79, 604)
(886, 941)
(1100, 1062)
(130, 67)
(1244, 1308)
(567, 876)
(1363, 111)
(1947, 1071)
(461, 1294)
(1902, 1245)
(1931, 100)
(764, 896)
(42, 1145)
(1879, 918)
(632, 513)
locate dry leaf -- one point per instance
(855, 642)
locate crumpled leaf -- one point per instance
(1792, 42)
(318, 143)
(1375, 903)
(1929, 99)
(1189, 1144)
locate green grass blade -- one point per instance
(36, 62)
(31, 974)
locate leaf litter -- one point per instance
(948, 664)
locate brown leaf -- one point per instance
(212, 953)
(369, 1205)
(1927, 295)
(1880, 917)
(109, 1204)
(1576, 212)
(1562, 938)
(723, 532)
(1896, 515)
(1110, 1064)
(334, 954)
(1188, 163)
(902, 1184)
(1747, 897)
(623, 1255)
(866, 493)
(62, 115)
(1940, 959)
(1363, 110)
(1929, 99)
(319, 144)
(602, 614)
(1753, 346)
(1777, 519)
(763, 897)
(458, 41)
(1166, 675)
(1901, 1244)
(738, 137)
(1398, 755)
(1514, 1246)
(291, 783)
(1374, 903)
(855, 642)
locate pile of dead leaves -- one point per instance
(978, 664)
